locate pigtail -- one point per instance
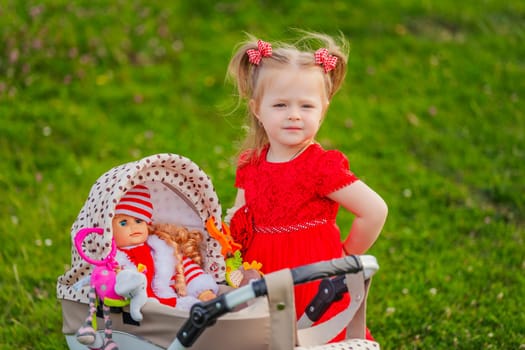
(241, 71)
(337, 47)
(339, 50)
(244, 75)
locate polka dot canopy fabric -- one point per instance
(181, 194)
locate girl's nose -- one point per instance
(294, 115)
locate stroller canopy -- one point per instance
(181, 194)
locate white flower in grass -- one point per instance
(47, 131)
(149, 134)
(14, 219)
(390, 310)
(135, 153)
(433, 291)
(48, 242)
(407, 193)
(448, 312)
(223, 165)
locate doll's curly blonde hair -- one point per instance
(186, 243)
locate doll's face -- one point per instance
(129, 231)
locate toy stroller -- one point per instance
(241, 318)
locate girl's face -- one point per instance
(129, 231)
(291, 108)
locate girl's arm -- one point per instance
(239, 202)
(370, 212)
(239, 199)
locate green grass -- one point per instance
(431, 116)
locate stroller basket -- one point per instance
(182, 194)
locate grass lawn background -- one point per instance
(430, 115)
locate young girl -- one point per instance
(289, 187)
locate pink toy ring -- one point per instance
(103, 277)
(79, 238)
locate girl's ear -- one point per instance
(253, 108)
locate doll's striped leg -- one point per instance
(86, 334)
(109, 343)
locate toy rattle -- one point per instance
(113, 287)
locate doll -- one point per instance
(160, 262)
(169, 255)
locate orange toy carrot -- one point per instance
(229, 247)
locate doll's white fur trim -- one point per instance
(124, 261)
(165, 262)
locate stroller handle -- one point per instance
(205, 314)
(334, 267)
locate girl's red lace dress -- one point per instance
(294, 222)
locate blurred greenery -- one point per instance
(431, 116)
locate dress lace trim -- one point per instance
(290, 228)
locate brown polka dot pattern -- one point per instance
(181, 193)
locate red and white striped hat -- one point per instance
(137, 203)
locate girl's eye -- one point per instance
(138, 221)
(279, 105)
(123, 223)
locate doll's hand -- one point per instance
(206, 295)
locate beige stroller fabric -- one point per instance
(245, 329)
(181, 194)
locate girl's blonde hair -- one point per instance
(246, 76)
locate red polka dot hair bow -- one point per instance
(324, 59)
(264, 49)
